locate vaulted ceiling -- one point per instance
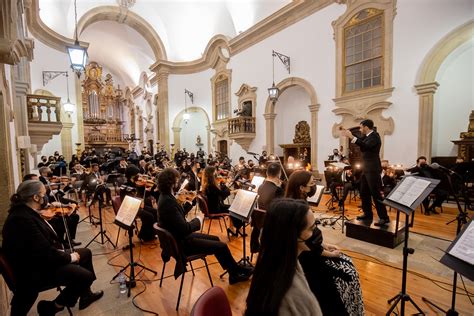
(177, 29)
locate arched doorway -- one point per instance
(427, 85)
(185, 133)
(313, 106)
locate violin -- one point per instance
(145, 181)
(56, 208)
(185, 196)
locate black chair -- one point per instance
(202, 204)
(258, 219)
(170, 250)
(7, 273)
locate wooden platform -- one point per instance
(380, 279)
(386, 236)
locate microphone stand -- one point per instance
(461, 219)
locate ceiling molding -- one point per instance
(209, 59)
(129, 18)
(42, 32)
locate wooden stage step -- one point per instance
(385, 236)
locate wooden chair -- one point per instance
(212, 302)
(258, 219)
(7, 273)
(202, 204)
(170, 250)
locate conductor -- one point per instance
(370, 181)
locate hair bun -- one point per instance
(15, 198)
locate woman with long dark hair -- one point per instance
(331, 274)
(279, 287)
(216, 193)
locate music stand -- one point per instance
(241, 208)
(459, 262)
(406, 197)
(125, 218)
(102, 233)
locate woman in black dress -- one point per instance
(216, 193)
(331, 274)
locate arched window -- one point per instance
(222, 99)
(363, 57)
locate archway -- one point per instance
(178, 123)
(426, 84)
(270, 116)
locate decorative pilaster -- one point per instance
(426, 93)
(79, 115)
(270, 132)
(314, 109)
(162, 108)
(177, 137)
(66, 140)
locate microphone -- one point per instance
(436, 165)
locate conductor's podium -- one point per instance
(387, 236)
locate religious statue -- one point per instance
(149, 127)
(302, 133)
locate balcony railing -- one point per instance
(242, 124)
(44, 108)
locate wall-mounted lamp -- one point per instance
(274, 92)
(50, 75)
(186, 115)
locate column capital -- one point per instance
(314, 107)
(269, 116)
(21, 88)
(426, 88)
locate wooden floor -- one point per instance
(379, 281)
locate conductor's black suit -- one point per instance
(371, 182)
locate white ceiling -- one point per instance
(184, 26)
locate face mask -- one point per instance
(44, 159)
(50, 174)
(44, 202)
(423, 165)
(314, 242)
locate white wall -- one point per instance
(48, 59)
(291, 108)
(190, 130)
(418, 26)
(454, 100)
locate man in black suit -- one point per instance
(172, 218)
(38, 258)
(370, 181)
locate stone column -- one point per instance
(66, 140)
(21, 118)
(426, 93)
(79, 114)
(314, 109)
(209, 145)
(177, 137)
(270, 132)
(162, 109)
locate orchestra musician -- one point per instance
(38, 258)
(370, 181)
(440, 192)
(216, 192)
(336, 156)
(146, 213)
(388, 178)
(72, 218)
(172, 218)
(268, 191)
(95, 176)
(345, 179)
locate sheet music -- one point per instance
(339, 165)
(409, 190)
(317, 196)
(183, 186)
(464, 248)
(128, 210)
(257, 181)
(243, 203)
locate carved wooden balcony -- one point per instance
(99, 139)
(44, 118)
(242, 130)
